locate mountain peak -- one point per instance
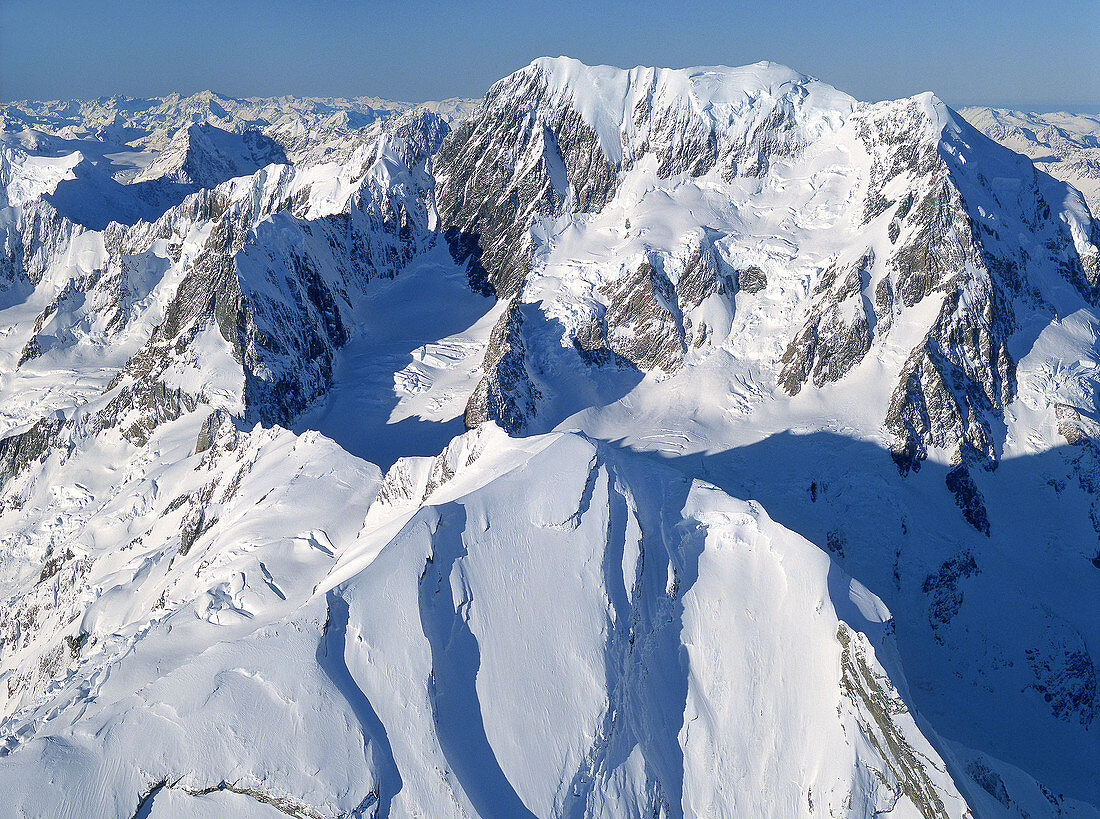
(704, 84)
(613, 100)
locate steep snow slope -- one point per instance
(1067, 146)
(658, 647)
(168, 576)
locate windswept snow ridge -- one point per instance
(1067, 146)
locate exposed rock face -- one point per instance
(204, 156)
(956, 383)
(705, 275)
(837, 333)
(968, 498)
(944, 592)
(904, 138)
(937, 250)
(646, 316)
(506, 394)
(17, 452)
(752, 279)
(217, 430)
(953, 388)
(525, 154)
(140, 407)
(644, 322)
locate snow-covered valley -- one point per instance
(660, 443)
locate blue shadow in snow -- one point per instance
(456, 659)
(331, 658)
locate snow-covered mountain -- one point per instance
(1067, 146)
(139, 129)
(253, 563)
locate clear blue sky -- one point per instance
(1026, 54)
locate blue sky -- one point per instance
(1024, 54)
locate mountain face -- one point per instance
(203, 156)
(380, 461)
(1066, 146)
(899, 248)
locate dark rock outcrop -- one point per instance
(506, 393)
(837, 333)
(644, 322)
(751, 280)
(526, 153)
(945, 596)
